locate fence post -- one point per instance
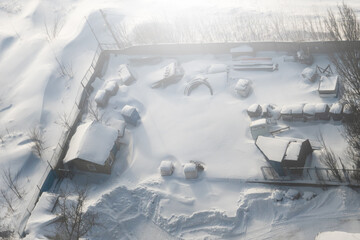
(110, 29)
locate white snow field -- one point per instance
(135, 201)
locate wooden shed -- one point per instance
(284, 153)
(92, 148)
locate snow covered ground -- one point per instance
(135, 202)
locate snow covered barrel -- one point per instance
(336, 111)
(190, 171)
(130, 115)
(101, 98)
(166, 168)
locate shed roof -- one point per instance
(92, 142)
(273, 148)
(293, 151)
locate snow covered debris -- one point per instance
(309, 74)
(277, 195)
(130, 115)
(217, 68)
(308, 195)
(166, 168)
(292, 194)
(111, 87)
(125, 75)
(243, 87)
(190, 171)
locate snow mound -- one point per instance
(292, 194)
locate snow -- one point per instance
(242, 84)
(134, 201)
(242, 49)
(297, 109)
(308, 195)
(85, 143)
(217, 68)
(336, 235)
(101, 98)
(125, 75)
(273, 148)
(111, 87)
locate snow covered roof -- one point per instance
(242, 49)
(242, 84)
(92, 142)
(328, 83)
(297, 108)
(273, 148)
(286, 109)
(336, 108)
(309, 109)
(293, 150)
(337, 235)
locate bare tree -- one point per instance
(94, 113)
(329, 159)
(64, 121)
(53, 29)
(36, 136)
(345, 30)
(11, 182)
(74, 221)
(7, 198)
(65, 70)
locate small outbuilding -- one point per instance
(93, 148)
(243, 87)
(336, 111)
(329, 86)
(254, 110)
(126, 77)
(130, 115)
(166, 168)
(283, 153)
(190, 171)
(259, 127)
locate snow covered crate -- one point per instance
(130, 115)
(254, 110)
(125, 75)
(336, 111)
(166, 168)
(190, 171)
(101, 98)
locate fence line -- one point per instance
(73, 119)
(315, 175)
